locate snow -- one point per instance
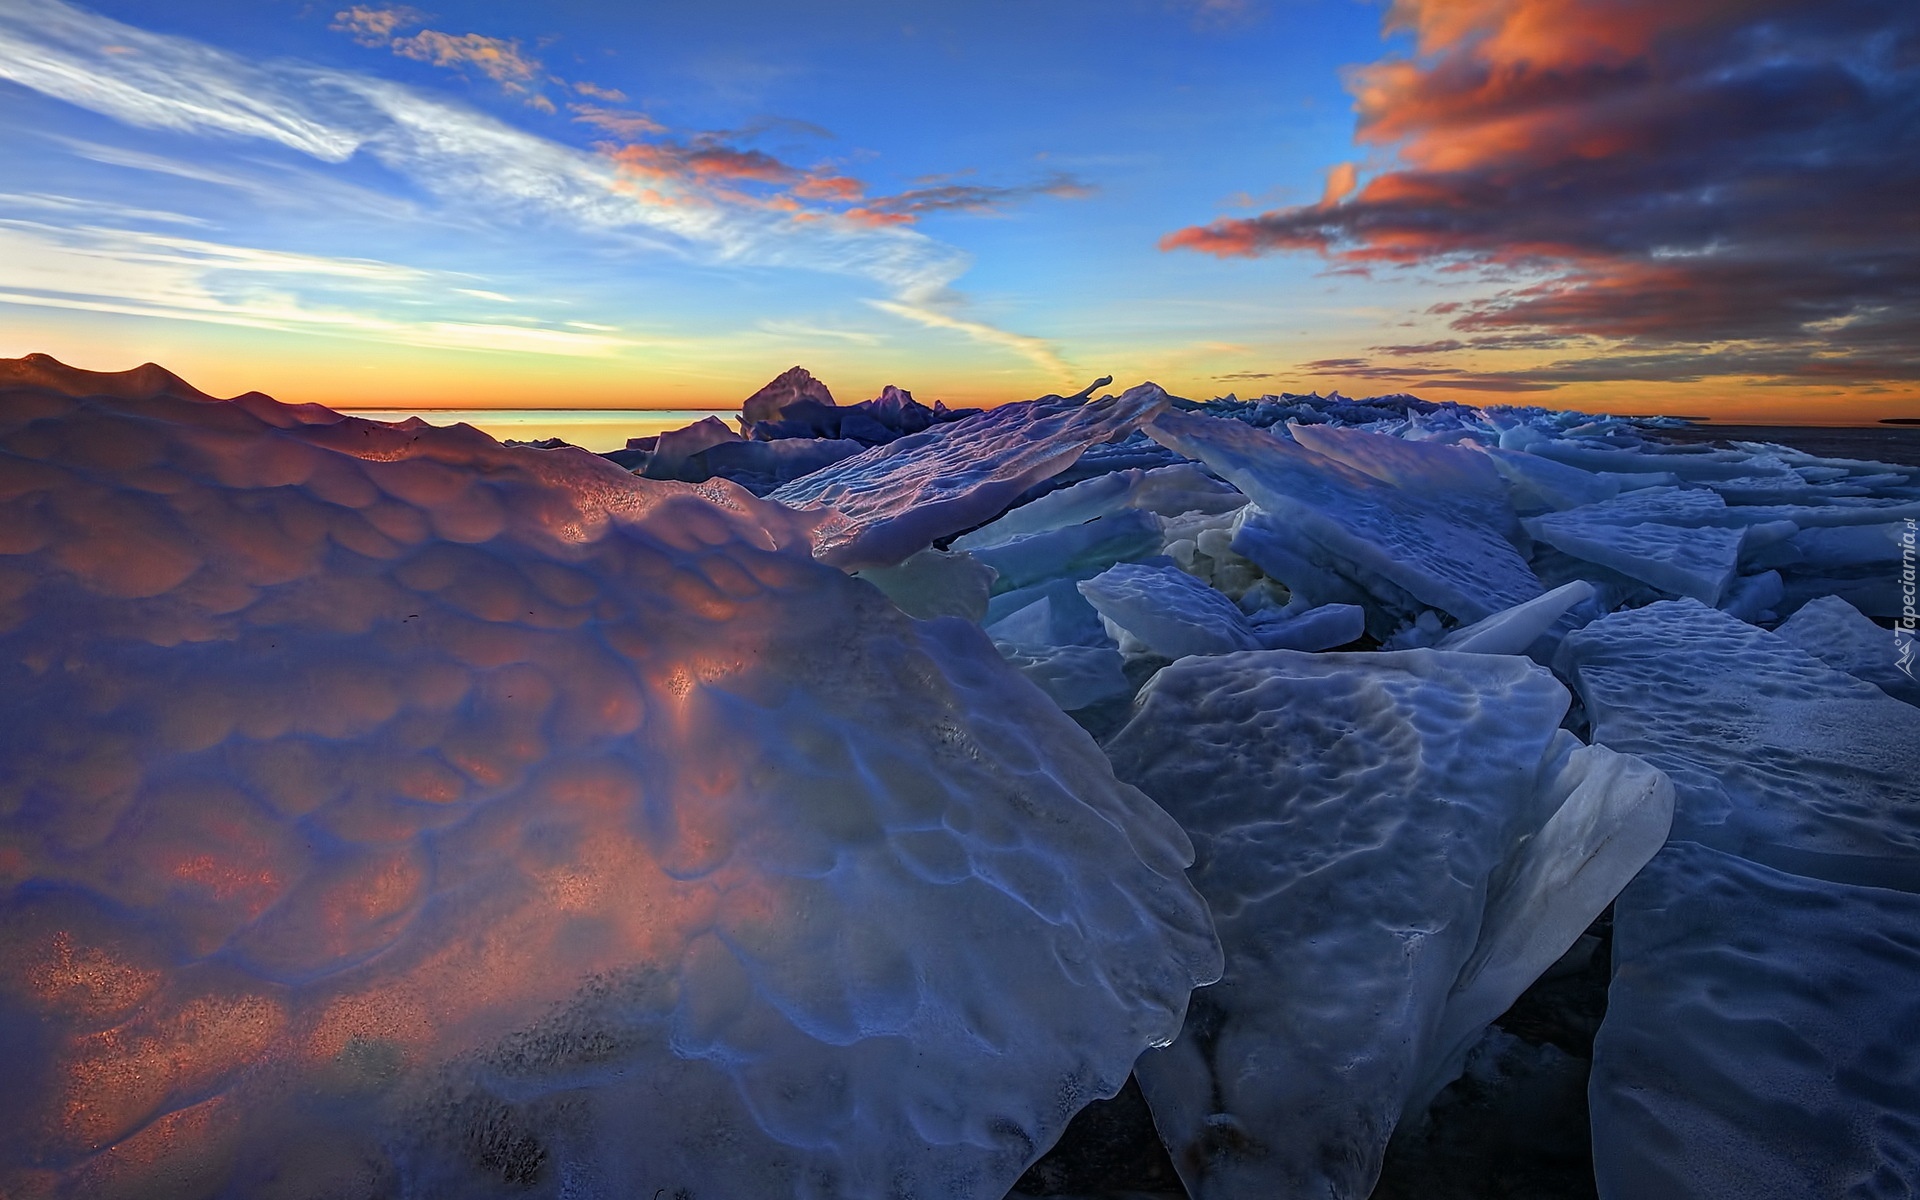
(397, 812)
(1394, 845)
(1758, 1043)
(883, 504)
(1774, 755)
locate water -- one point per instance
(598, 430)
(1877, 443)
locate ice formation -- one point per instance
(888, 502)
(1760, 1037)
(1775, 756)
(388, 811)
(1836, 633)
(1394, 846)
(1382, 540)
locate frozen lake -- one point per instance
(598, 430)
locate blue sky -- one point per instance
(580, 204)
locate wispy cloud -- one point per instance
(98, 269)
(909, 206)
(474, 166)
(374, 27)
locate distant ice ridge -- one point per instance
(387, 811)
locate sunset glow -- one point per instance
(1695, 207)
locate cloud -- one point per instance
(372, 26)
(97, 269)
(910, 206)
(499, 60)
(474, 167)
(617, 122)
(610, 95)
(1664, 174)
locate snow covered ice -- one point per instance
(387, 810)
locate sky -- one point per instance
(1685, 206)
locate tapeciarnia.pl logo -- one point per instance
(1909, 619)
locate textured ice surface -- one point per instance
(888, 502)
(1512, 631)
(1661, 537)
(387, 811)
(1760, 1040)
(1459, 478)
(1395, 544)
(1837, 634)
(1775, 756)
(1369, 832)
(1170, 491)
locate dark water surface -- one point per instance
(1878, 443)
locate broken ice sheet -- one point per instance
(1389, 542)
(1759, 1042)
(1775, 756)
(888, 502)
(395, 812)
(1394, 845)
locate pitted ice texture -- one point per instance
(894, 500)
(388, 811)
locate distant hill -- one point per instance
(143, 382)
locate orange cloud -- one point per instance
(372, 26)
(499, 60)
(842, 188)
(610, 95)
(1669, 171)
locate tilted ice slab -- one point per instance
(1540, 484)
(1759, 1039)
(1666, 537)
(1073, 550)
(1452, 476)
(1512, 631)
(1394, 543)
(1839, 635)
(1394, 846)
(1057, 642)
(1169, 491)
(1169, 611)
(1774, 755)
(890, 501)
(393, 812)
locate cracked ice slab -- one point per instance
(1775, 755)
(1393, 543)
(1394, 845)
(886, 503)
(402, 813)
(1678, 540)
(1759, 1039)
